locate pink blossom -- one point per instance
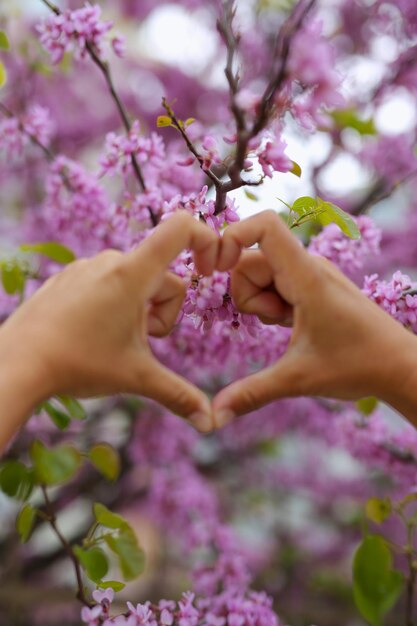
(105, 596)
(119, 46)
(143, 614)
(91, 616)
(72, 31)
(272, 157)
(167, 618)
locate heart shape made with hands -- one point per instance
(253, 292)
(88, 326)
(85, 332)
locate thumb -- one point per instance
(253, 392)
(176, 394)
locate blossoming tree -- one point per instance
(302, 511)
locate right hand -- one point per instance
(342, 346)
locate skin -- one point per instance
(85, 332)
(343, 345)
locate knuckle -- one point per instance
(270, 217)
(184, 219)
(249, 399)
(109, 256)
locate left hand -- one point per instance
(85, 332)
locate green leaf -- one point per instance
(16, 480)
(367, 405)
(330, 213)
(349, 118)
(190, 121)
(4, 41)
(376, 586)
(304, 205)
(74, 408)
(112, 584)
(106, 459)
(54, 466)
(25, 521)
(251, 196)
(13, 278)
(163, 121)
(108, 519)
(3, 75)
(59, 418)
(377, 510)
(54, 251)
(41, 68)
(94, 562)
(130, 555)
(326, 213)
(296, 169)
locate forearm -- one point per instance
(400, 389)
(22, 384)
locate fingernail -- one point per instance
(201, 421)
(223, 417)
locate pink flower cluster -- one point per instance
(76, 209)
(392, 296)
(350, 255)
(73, 31)
(185, 505)
(119, 149)
(16, 134)
(226, 609)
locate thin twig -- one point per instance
(48, 153)
(380, 192)
(180, 127)
(67, 547)
(105, 70)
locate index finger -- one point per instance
(287, 258)
(170, 238)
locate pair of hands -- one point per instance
(85, 332)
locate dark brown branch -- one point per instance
(225, 28)
(279, 75)
(68, 549)
(105, 70)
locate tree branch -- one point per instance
(48, 153)
(380, 192)
(68, 549)
(105, 70)
(278, 77)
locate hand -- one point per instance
(343, 346)
(85, 332)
